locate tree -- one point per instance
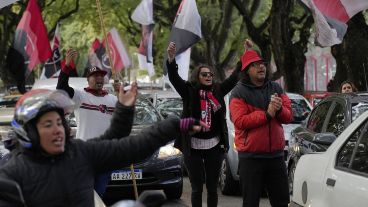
(283, 34)
(350, 55)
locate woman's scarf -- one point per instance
(208, 104)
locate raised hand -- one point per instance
(248, 44)
(171, 50)
(71, 55)
(128, 98)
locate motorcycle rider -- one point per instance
(54, 170)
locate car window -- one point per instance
(336, 120)
(354, 153)
(315, 122)
(145, 113)
(168, 106)
(357, 109)
(300, 109)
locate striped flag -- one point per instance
(186, 31)
(118, 53)
(143, 15)
(53, 65)
(331, 16)
(4, 3)
(30, 46)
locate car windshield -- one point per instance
(300, 110)
(170, 106)
(145, 113)
(357, 109)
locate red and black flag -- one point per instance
(53, 65)
(30, 46)
(97, 57)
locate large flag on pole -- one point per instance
(53, 65)
(186, 31)
(95, 57)
(119, 55)
(331, 16)
(31, 45)
(143, 15)
(4, 3)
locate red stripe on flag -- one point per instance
(37, 44)
(333, 9)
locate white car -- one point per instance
(337, 177)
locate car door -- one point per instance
(314, 125)
(336, 119)
(346, 177)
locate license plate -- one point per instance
(126, 174)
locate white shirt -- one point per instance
(93, 113)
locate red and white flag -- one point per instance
(143, 15)
(186, 31)
(331, 16)
(53, 65)
(4, 3)
(31, 37)
(118, 53)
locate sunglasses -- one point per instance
(206, 74)
(258, 64)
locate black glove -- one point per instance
(186, 124)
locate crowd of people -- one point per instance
(41, 146)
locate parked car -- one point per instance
(168, 103)
(327, 121)
(229, 177)
(7, 105)
(161, 171)
(314, 97)
(337, 177)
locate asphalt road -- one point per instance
(224, 201)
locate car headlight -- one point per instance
(168, 150)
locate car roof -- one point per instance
(74, 82)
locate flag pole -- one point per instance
(104, 34)
(114, 77)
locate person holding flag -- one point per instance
(95, 106)
(202, 99)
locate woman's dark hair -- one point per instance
(353, 87)
(194, 75)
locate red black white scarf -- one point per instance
(208, 104)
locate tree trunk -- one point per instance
(350, 55)
(289, 56)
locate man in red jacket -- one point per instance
(258, 107)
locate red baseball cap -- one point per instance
(249, 56)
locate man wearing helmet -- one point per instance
(54, 170)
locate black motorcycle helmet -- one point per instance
(31, 106)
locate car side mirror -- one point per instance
(324, 138)
(10, 193)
